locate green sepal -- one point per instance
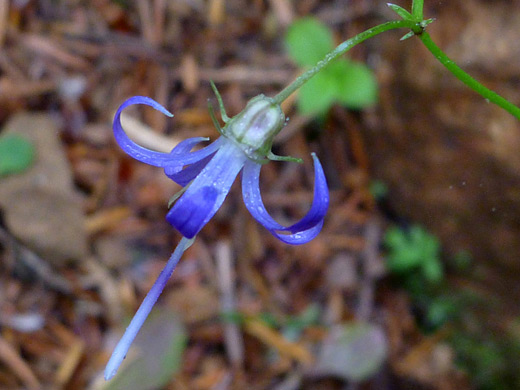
(404, 14)
(214, 118)
(223, 114)
(274, 157)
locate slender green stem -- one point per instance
(466, 78)
(341, 49)
(417, 9)
(418, 29)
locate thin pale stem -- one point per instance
(341, 49)
(144, 310)
(488, 94)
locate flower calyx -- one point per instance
(254, 128)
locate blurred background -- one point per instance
(413, 282)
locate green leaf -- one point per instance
(318, 94)
(16, 154)
(404, 14)
(357, 85)
(414, 250)
(349, 83)
(394, 239)
(407, 35)
(308, 41)
(432, 270)
(426, 22)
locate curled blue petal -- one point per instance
(136, 151)
(142, 313)
(173, 162)
(320, 203)
(302, 231)
(208, 190)
(301, 237)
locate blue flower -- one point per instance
(207, 174)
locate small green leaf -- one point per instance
(16, 154)
(404, 14)
(318, 94)
(432, 270)
(407, 35)
(357, 85)
(308, 41)
(414, 249)
(426, 22)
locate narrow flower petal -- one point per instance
(198, 155)
(302, 231)
(208, 190)
(142, 313)
(300, 237)
(320, 202)
(130, 147)
(193, 163)
(173, 162)
(190, 172)
(186, 145)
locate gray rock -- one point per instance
(40, 206)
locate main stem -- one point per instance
(488, 94)
(341, 49)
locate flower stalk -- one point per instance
(342, 48)
(144, 310)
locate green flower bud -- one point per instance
(255, 127)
